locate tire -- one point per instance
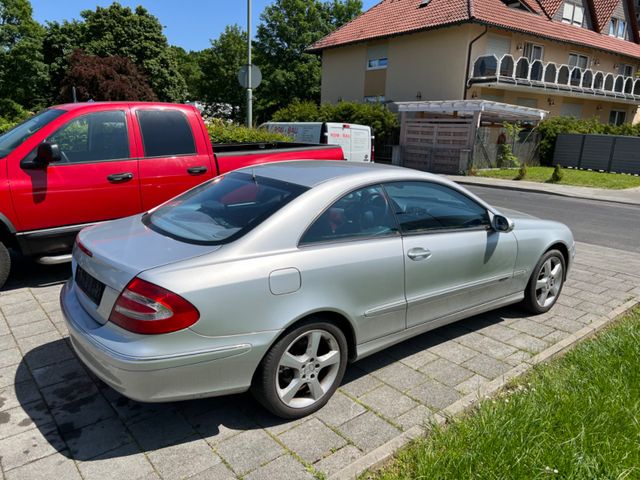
(302, 370)
(546, 282)
(5, 264)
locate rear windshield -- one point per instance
(223, 209)
(14, 137)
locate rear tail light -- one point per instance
(143, 307)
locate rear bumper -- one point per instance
(226, 366)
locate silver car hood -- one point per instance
(515, 214)
(121, 249)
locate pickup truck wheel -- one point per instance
(5, 264)
(302, 370)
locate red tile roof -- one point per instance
(396, 17)
(602, 11)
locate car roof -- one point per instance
(310, 173)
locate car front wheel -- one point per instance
(546, 283)
(302, 370)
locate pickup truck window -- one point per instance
(14, 137)
(165, 133)
(93, 137)
(222, 210)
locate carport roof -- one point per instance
(490, 111)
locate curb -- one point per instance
(548, 192)
(383, 453)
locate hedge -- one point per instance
(221, 131)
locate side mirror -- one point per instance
(48, 153)
(501, 223)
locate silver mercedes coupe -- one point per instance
(274, 277)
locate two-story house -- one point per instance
(570, 57)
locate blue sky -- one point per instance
(188, 23)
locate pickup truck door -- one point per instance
(175, 154)
(97, 178)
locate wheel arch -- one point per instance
(564, 250)
(7, 232)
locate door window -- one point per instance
(94, 137)
(424, 206)
(533, 51)
(165, 133)
(362, 213)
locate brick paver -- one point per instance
(58, 421)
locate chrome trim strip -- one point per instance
(388, 308)
(47, 231)
(459, 289)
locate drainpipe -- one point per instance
(466, 72)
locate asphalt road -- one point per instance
(599, 223)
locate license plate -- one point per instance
(91, 287)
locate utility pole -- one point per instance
(249, 91)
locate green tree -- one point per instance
(23, 73)
(288, 27)
(189, 67)
(220, 64)
(60, 41)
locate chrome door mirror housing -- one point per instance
(500, 223)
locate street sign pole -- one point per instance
(249, 92)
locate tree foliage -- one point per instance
(23, 75)
(189, 66)
(221, 131)
(105, 78)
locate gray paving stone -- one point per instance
(487, 366)
(567, 312)
(131, 411)
(498, 332)
(528, 343)
(568, 301)
(183, 459)
(488, 346)
(472, 384)
(533, 328)
(60, 394)
(13, 374)
(454, 352)
(17, 420)
(248, 450)
(418, 416)
(368, 431)
(65, 371)
(589, 318)
(564, 324)
(400, 376)
(518, 357)
(14, 310)
(339, 409)
(82, 412)
(160, 431)
(284, 468)
(4, 328)
(312, 440)
(590, 307)
(126, 462)
(31, 329)
(434, 395)
(388, 402)
(357, 382)
(338, 460)
(446, 372)
(555, 337)
(45, 349)
(15, 297)
(7, 342)
(93, 440)
(21, 393)
(217, 472)
(54, 466)
(418, 359)
(31, 445)
(11, 356)
(221, 425)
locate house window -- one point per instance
(618, 28)
(578, 60)
(626, 70)
(617, 117)
(573, 14)
(533, 51)
(377, 63)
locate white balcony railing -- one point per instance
(551, 76)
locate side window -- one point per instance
(424, 206)
(362, 213)
(165, 133)
(94, 137)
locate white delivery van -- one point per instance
(356, 140)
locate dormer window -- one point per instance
(573, 14)
(618, 28)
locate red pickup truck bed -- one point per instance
(78, 164)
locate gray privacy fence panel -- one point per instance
(609, 153)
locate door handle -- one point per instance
(418, 254)
(120, 177)
(197, 170)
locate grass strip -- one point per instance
(583, 178)
(577, 417)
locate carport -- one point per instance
(442, 136)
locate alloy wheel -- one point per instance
(549, 282)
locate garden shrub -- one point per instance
(557, 174)
(221, 131)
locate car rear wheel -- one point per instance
(302, 370)
(546, 283)
(5, 264)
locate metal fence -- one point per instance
(607, 153)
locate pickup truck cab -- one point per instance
(79, 164)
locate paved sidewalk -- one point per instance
(58, 421)
(629, 196)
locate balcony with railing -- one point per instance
(551, 78)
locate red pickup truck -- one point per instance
(78, 164)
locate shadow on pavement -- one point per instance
(27, 273)
(84, 419)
